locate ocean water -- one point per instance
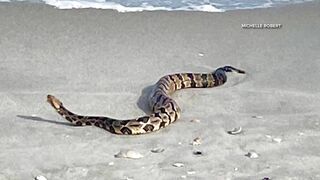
(166, 5)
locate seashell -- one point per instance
(191, 172)
(178, 164)
(128, 154)
(157, 150)
(278, 140)
(252, 155)
(40, 178)
(195, 120)
(196, 141)
(235, 131)
(257, 117)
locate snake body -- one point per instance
(165, 109)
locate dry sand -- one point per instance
(101, 62)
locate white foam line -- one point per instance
(120, 8)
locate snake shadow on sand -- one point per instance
(142, 103)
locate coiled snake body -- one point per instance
(165, 109)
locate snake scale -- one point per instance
(165, 109)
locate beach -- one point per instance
(102, 62)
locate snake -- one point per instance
(165, 110)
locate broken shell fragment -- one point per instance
(191, 172)
(128, 154)
(277, 140)
(178, 164)
(195, 120)
(252, 155)
(201, 54)
(257, 117)
(157, 150)
(196, 141)
(40, 178)
(235, 131)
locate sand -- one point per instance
(101, 62)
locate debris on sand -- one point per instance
(190, 172)
(157, 150)
(195, 120)
(198, 153)
(252, 155)
(177, 164)
(277, 140)
(257, 117)
(196, 141)
(128, 154)
(235, 131)
(201, 54)
(40, 177)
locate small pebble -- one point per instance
(178, 165)
(252, 155)
(257, 117)
(191, 172)
(235, 131)
(236, 169)
(157, 150)
(128, 154)
(183, 176)
(196, 141)
(40, 178)
(198, 153)
(111, 163)
(201, 54)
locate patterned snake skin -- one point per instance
(165, 109)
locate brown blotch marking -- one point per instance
(125, 130)
(124, 122)
(148, 128)
(88, 123)
(181, 80)
(144, 119)
(162, 125)
(204, 80)
(111, 129)
(78, 123)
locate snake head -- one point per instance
(232, 69)
(55, 103)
